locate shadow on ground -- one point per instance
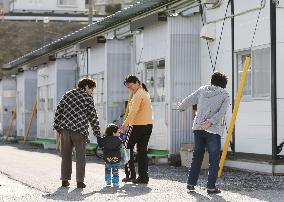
(62, 194)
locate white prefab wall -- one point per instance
(26, 96)
(279, 74)
(54, 79)
(253, 125)
(151, 43)
(50, 5)
(7, 104)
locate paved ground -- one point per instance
(30, 174)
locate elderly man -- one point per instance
(74, 112)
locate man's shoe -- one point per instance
(190, 188)
(65, 183)
(81, 185)
(140, 180)
(213, 191)
(126, 179)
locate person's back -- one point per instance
(213, 102)
(111, 149)
(74, 112)
(112, 155)
(210, 102)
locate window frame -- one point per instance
(67, 5)
(251, 97)
(155, 65)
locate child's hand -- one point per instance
(122, 128)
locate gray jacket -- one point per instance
(213, 102)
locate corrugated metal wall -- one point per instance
(30, 93)
(118, 67)
(184, 75)
(8, 102)
(26, 94)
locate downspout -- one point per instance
(233, 147)
(87, 50)
(273, 81)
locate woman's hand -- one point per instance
(206, 124)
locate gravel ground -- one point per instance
(167, 183)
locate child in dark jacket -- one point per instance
(112, 155)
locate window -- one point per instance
(99, 90)
(258, 77)
(155, 79)
(66, 2)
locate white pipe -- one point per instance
(50, 18)
(238, 14)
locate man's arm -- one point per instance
(93, 117)
(190, 100)
(59, 113)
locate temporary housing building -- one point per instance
(26, 99)
(8, 106)
(249, 29)
(165, 54)
(54, 77)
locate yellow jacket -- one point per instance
(140, 109)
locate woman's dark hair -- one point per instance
(134, 79)
(111, 128)
(82, 83)
(219, 79)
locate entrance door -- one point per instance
(155, 81)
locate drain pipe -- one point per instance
(273, 81)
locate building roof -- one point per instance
(106, 23)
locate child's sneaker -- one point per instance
(108, 183)
(115, 185)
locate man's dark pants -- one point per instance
(212, 141)
(70, 139)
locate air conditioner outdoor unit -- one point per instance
(210, 4)
(208, 32)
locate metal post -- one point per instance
(90, 11)
(273, 79)
(87, 49)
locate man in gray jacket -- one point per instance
(208, 126)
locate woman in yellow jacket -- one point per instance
(140, 121)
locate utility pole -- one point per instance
(90, 11)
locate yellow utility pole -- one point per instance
(234, 116)
(11, 121)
